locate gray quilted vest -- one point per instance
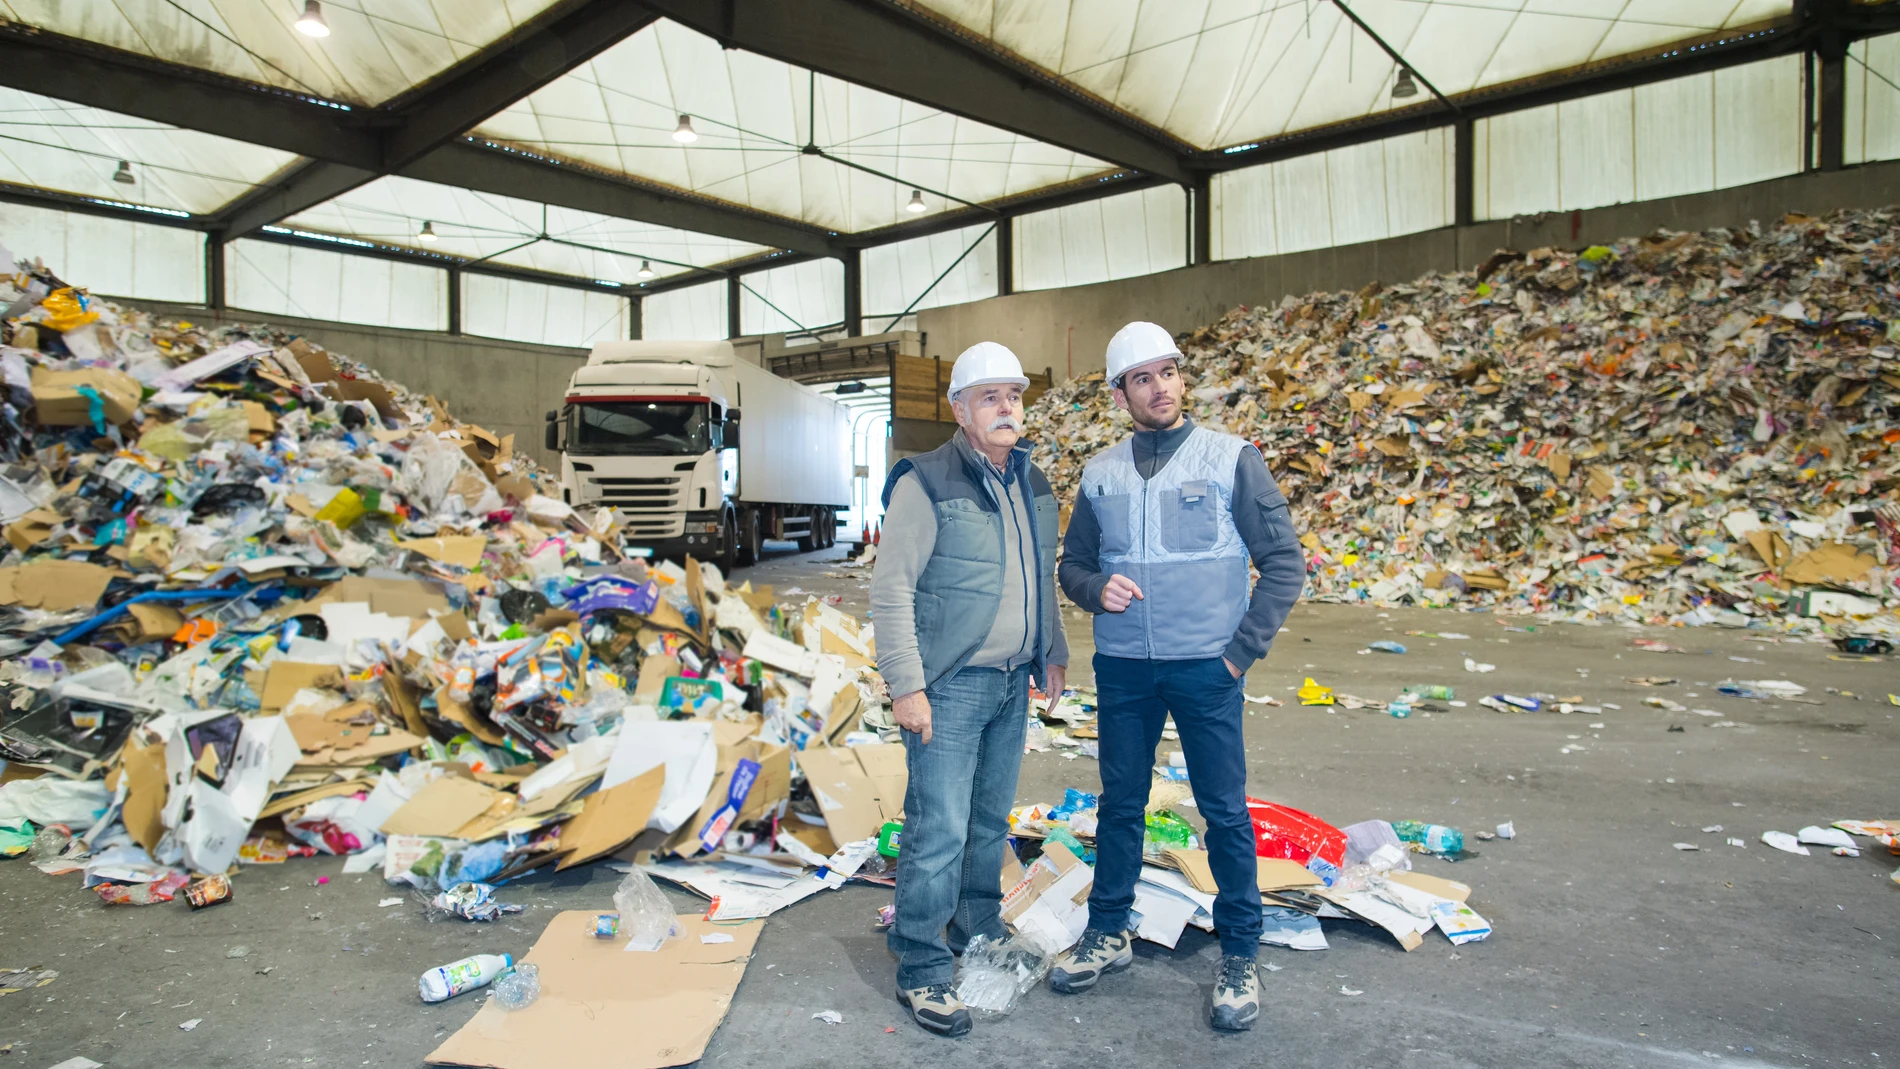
(1174, 535)
(961, 587)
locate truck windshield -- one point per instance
(661, 428)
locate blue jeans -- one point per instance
(956, 816)
(1134, 699)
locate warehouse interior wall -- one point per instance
(505, 386)
(1067, 329)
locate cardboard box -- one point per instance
(442, 808)
(57, 401)
(263, 424)
(736, 742)
(1830, 564)
(611, 819)
(858, 788)
(395, 597)
(314, 361)
(33, 528)
(601, 1006)
(55, 585)
(1050, 906)
(283, 679)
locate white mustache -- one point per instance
(1011, 422)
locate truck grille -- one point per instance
(637, 527)
(651, 493)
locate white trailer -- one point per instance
(655, 430)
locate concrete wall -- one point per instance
(1068, 329)
(504, 386)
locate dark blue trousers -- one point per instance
(1134, 699)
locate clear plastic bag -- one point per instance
(994, 973)
(646, 917)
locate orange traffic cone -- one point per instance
(878, 535)
(865, 538)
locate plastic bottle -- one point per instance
(1435, 838)
(518, 987)
(447, 981)
(1431, 691)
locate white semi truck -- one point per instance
(654, 429)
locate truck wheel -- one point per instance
(827, 529)
(729, 542)
(809, 540)
(749, 542)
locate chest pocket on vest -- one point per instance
(1047, 520)
(966, 532)
(1112, 514)
(1190, 517)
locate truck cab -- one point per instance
(653, 429)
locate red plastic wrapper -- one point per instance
(1284, 832)
(142, 894)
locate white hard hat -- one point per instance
(1136, 344)
(985, 362)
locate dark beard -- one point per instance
(1148, 426)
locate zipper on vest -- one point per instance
(1147, 615)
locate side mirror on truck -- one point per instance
(732, 428)
(553, 438)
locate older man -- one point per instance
(1157, 548)
(965, 606)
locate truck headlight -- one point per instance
(703, 528)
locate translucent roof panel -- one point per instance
(376, 49)
(753, 116)
(928, 272)
(466, 223)
(51, 144)
(690, 313)
(1216, 73)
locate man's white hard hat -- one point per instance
(1136, 344)
(984, 363)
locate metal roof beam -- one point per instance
(68, 68)
(1728, 48)
(346, 147)
(451, 104)
(894, 49)
(511, 173)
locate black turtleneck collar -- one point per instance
(1154, 448)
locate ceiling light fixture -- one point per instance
(1404, 86)
(312, 24)
(685, 134)
(124, 175)
(916, 201)
(427, 233)
(646, 269)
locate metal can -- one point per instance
(208, 892)
(606, 925)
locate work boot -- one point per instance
(937, 1008)
(1236, 995)
(1097, 952)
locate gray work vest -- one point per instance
(961, 587)
(1174, 535)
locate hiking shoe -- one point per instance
(1097, 953)
(1236, 995)
(937, 1008)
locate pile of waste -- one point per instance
(259, 603)
(1687, 428)
(1309, 870)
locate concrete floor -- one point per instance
(1612, 948)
